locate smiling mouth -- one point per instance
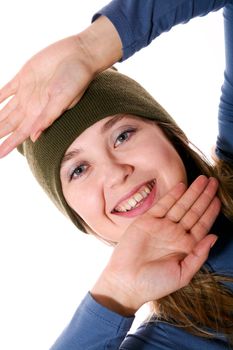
(136, 200)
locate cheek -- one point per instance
(156, 154)
(166, 163)
(86, 202)
(172, 167)
(166, 156)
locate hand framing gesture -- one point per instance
(162, 250)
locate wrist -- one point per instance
(112, 296)
(101, 44)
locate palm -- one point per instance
(162, 249)
(50, 82)
(154, 257)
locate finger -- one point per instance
(8, 108)
(164, 204)
(54, 108)
(11, 123)
(200, 206)
(194, 261)
(15, 139)
(9, 144)
(8, 90)
(50, 113)
(188, 199)
(204, 224)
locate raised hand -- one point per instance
(162, 250)
(54, 80)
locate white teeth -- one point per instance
(138, 197)
(127, 206)
(144, 194)
(134, 200)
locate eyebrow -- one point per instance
(110, 123)
(107, 126)
(70, 155)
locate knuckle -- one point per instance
(190, 219)
(22, 134)
(181, 206)
(172, 196)
(7, 126)
(200, 227)
(177, 212)
(195, 212)
(172, 217)
(203, 226)
(160, 209)
(10, 124)
(186, 224)
(49, 122)
(46, 122)
(208, 196)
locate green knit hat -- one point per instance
(110, 93)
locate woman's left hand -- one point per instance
(161, 250)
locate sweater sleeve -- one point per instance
(93, 327)
(138, 22)
(224, 148)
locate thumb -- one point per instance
(52, 111)
(194, 261)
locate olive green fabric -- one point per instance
(110, 93)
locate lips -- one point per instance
(137, 201)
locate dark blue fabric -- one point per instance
(225, 117)
(166, 337)
(138, 22)
(94, 327)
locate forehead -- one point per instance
(99, 128)
(103, 126)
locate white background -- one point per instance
(46, 265)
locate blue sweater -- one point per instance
(94, 327)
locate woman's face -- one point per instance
(116, 170)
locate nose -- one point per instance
(116, 173)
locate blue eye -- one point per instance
(124, 137)
(78, 171)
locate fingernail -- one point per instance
(213, 243)
(35, 136)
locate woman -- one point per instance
(134, 163)
(148, 336)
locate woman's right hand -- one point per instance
(161, 250)
(54, 80)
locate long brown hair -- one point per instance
(205, 306)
